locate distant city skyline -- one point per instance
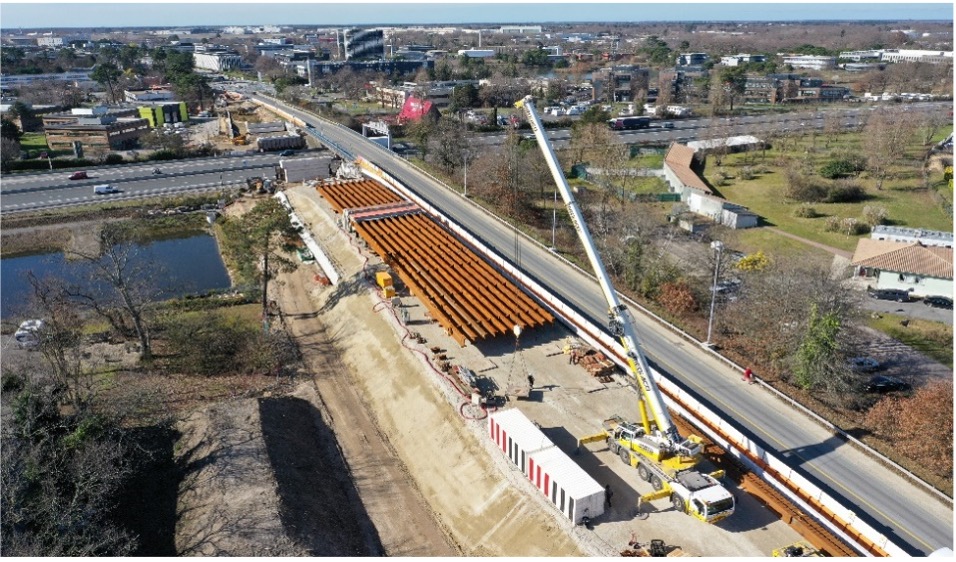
(41, 15)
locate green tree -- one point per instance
(733, 80)
(595, 115)
(819, 349)
(420, 132)
(178, 62)
(464, 96)
(258, 234)
(107, 75)
(657, 51)
(535, 57)
(9, 130)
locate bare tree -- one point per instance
(832, 127)
(9, 152)
(59, 340)
(884, 140)
(121, 268)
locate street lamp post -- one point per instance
(466, 174)
(719, 246)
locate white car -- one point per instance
(27, 334)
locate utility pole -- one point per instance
(719, 246)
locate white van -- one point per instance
(103, 189)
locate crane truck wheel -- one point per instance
(656, 483)
(643, 472)
(626, 456)
(678, 503)
(612, 445)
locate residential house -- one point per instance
(909, 266)
(680, 170)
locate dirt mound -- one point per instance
(244, 464)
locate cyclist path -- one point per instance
(831, 249)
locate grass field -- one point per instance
(33, 141)
(907, 203)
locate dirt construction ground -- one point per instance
(423, 478)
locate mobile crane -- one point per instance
(654, 447)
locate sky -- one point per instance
(45, 15)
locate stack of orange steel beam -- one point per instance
(355, 194)
(468, 297)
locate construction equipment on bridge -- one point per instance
(655, 447)
(800, 549)
(240, 140)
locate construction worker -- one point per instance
(748, 375)
(530, 381)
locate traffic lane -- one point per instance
(60, 179)
(131, 189)
(926, 523)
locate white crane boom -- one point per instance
(620, 322)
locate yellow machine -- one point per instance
(654, 446)
(384, 280)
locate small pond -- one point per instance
(174, 267)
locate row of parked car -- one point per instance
(899, 295)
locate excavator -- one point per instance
(653, 446)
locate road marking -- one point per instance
(822, 474)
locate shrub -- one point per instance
(873, 215)
(845, 192)
(677, 298)
(163, 155)
(838, 169)
(832, 224)
(113, 158)
(747, 173)
(805, 212)
(802, 188)
(852, 227)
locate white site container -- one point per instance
(562, 481)
(516, 436)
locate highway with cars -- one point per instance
(45, 190)
(912, 517)
(698, 128)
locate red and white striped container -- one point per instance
(516, 436)
(562, 481)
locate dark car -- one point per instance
(79, 176)
(882, 384)
(864, 364)
(938, 302)
(897, 295)
(287, 152)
